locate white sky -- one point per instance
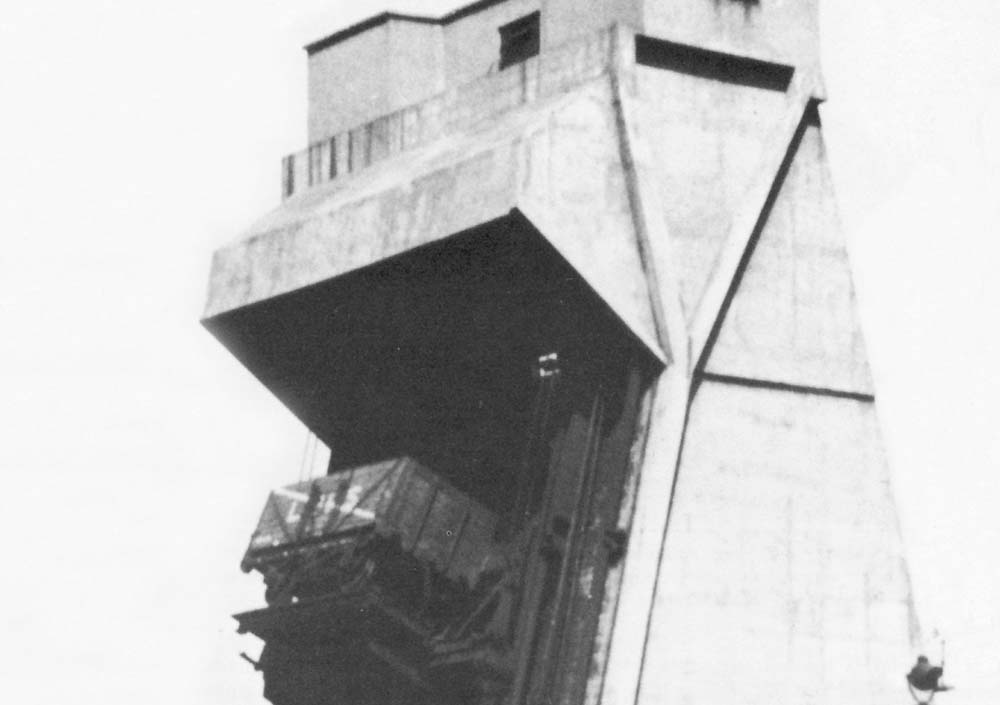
(136, 137)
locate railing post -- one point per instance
(287, 176)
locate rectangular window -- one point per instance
(520, 40)
(705, 63)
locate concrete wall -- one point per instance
(400, 62)
(565, 20)
(782, 579)
(416, 62)
(795, 318)
(472, 43)
(785, 31)
(706, 141)
(378, 71)
(348, 83)
(454, 110)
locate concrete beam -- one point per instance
(751, 216)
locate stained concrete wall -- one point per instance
(782, 579)
(460, 108)
(795, 318)
(382, 69)
(347, 82)
(708, 138)
(566, 20)
(782, 576)
(556, 162)
(416, 62)
(472, 43)
(400, 62)
(784, 31)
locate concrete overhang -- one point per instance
(556, 166)
(377, 301)
(440, 339)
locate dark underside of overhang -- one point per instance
(431, 353)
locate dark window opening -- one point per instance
(704, 63)
(519, 40)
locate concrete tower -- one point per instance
(563, 287)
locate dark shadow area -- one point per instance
(481, 403)
(718, 66)
(432, 354)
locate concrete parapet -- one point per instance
(454, 110)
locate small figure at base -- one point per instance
(926, 678)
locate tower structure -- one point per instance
(563, 287)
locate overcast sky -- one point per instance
(136, 137)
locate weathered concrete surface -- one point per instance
(557, 163)
(794, 319)
(779, 609)
(573, 188)
(458, 109)
(385, 211)
(785, 31)
(373, 73)
(797, 303)
(404, 60)
(568, 20)
(782, 577)
(750, 215)
(472, 42)
(626, 649)
(708, 139)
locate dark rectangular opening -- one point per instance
(520, 40)
(288, 176)
(705, 63)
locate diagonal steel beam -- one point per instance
(751, 216)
